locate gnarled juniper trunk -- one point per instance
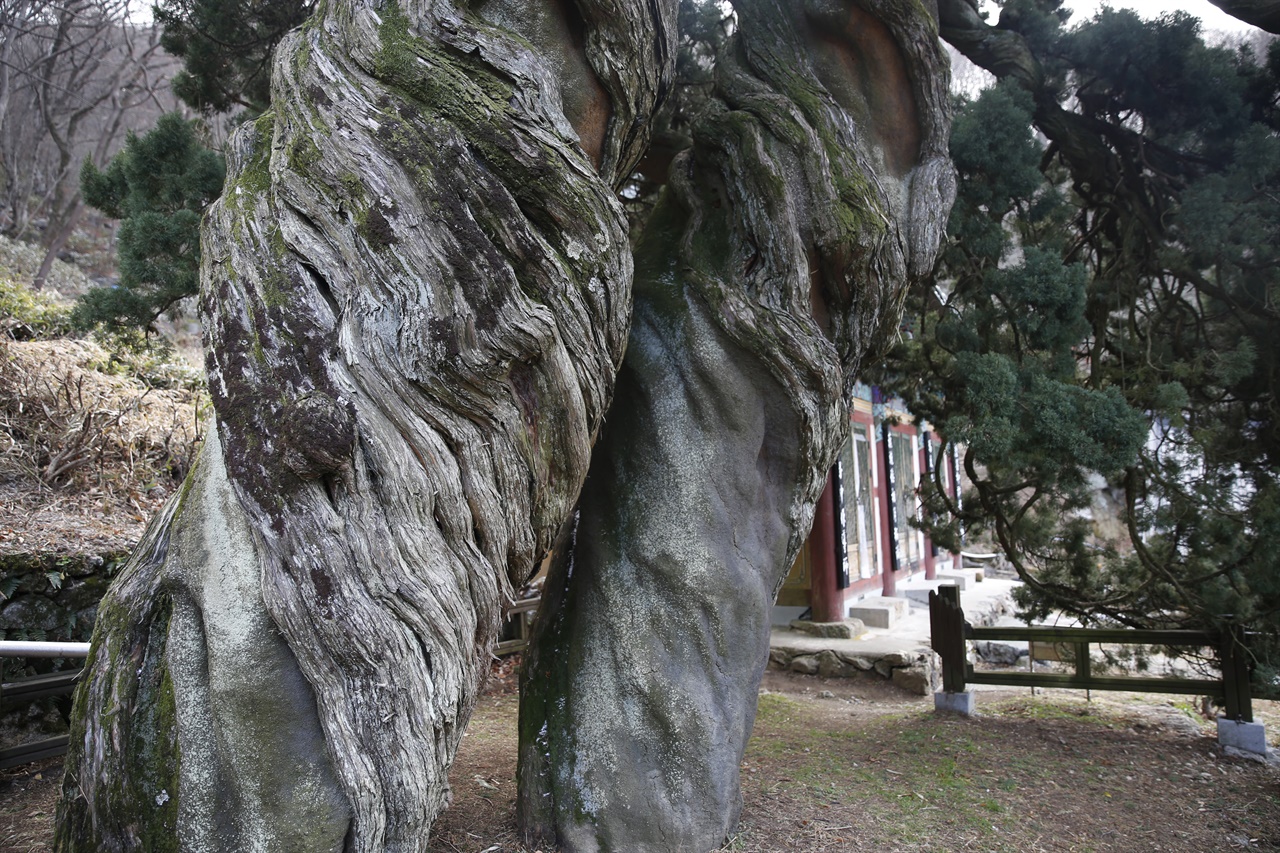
(416, 289)
(816, 188)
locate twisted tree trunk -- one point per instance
(417, 290)
(816, 189)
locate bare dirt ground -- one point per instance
(861, 766)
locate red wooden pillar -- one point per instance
(889, 588)
(826, 602)
(953, 479)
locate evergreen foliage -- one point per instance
(161, 183)
(226, 47)
(1110, 306)
(158, 186)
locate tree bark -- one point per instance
(817, 187)
(1264, 14)
(416, 290)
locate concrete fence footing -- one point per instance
(1246, 737)
(957, 703)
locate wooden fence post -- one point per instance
(1235, 674)
(946, 624)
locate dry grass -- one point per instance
(873, 769)
(89, 444)
(69, 421)
(1044, 773)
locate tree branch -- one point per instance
(1264, 14)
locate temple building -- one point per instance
(862, 542)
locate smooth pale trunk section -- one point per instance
(250, 739)
(196, 730)
(664, 617)
(776, 259)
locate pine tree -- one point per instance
(226, 47)
(1110, 306)
(158, 186)
(162, 182)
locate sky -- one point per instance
(970, 79)
(1210, 15)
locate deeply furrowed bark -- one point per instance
(416, 289)
(817, 188)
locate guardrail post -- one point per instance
(946, 623)
(1084, 664)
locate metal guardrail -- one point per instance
(949, 633)
(63, 683)
(38, 687)
(35, 649)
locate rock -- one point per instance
(780, 658)
(833, 630)
(830, 665)
(82, 593)
(805, 665)
(932, 663)
(896, 659)
(914, 679)
(990, 612)
(31, 613)
(89, 565)
(826, 694)
(1001, 653)
(54, 594)
(858, 662)
(883, 667)
(85, 620)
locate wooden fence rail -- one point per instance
(950, 632)
(517, 626)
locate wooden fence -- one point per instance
(950, 632)
(517, 626)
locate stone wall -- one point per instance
(916, 672)
(51, 597)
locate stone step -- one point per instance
(880, 612)
(848, 629)
(918, 589)
(970, 576)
